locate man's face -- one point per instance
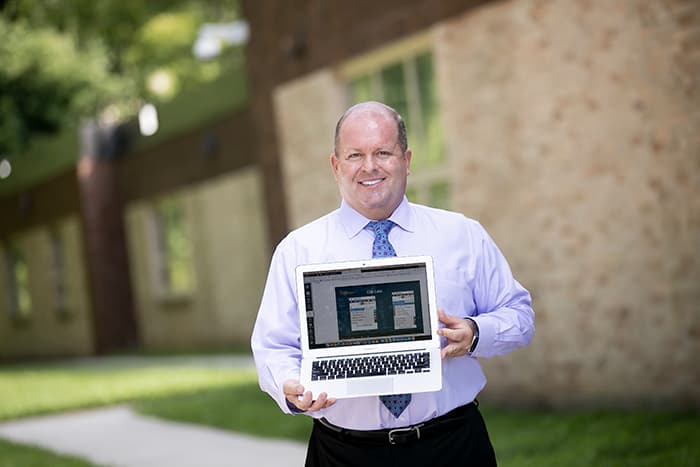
(370, 168)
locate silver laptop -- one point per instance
(369, 327)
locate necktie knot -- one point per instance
(381, 227)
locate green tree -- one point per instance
(45, 82)
(67, 59)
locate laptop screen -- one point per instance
(367, 305)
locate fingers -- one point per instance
(321, 402)
(453, 350)
(452, 334)
(291, 387)
(294, 392)
(447, 320)
(458, 334)
(308, 404)
(459, 331)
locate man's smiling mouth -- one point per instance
(371, 182)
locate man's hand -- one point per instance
(458, 332)
(303, 400)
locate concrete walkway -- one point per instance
(117, 436)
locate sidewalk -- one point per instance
(117, 436)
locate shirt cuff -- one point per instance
(293, 408)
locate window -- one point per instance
(402, 76)
(173, 249)
(17, 273)
(58, 272)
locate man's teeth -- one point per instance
(371, 182)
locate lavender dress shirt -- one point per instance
(472, 279)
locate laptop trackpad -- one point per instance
(371, 386)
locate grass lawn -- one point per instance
(601, 438)
(17, 455)
(36, 389)
(229, 398)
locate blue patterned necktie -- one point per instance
(396, 403)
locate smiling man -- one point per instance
(484, 311)
(371, 160)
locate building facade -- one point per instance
(568, 129)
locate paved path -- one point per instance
(117, 436)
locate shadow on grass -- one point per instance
(243, 408)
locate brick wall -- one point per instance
(572, 130)
(306, 111)
(572, 136)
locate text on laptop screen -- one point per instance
(368, 305)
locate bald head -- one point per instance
(374, 108)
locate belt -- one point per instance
(403, 435)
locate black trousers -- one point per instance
(463, 444)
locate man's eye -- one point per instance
(354, 156)
(384, 154)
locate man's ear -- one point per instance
(408, 155)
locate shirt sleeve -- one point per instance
(275, 340)
(504, 311)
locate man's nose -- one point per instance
(368, 162)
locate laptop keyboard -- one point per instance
(374, 365)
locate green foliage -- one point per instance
(46, 82)
(66, 59)
(164, 38)
(163, 46)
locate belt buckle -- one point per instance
(406, 430)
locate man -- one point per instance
(483, 311)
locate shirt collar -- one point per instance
(353, 222)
